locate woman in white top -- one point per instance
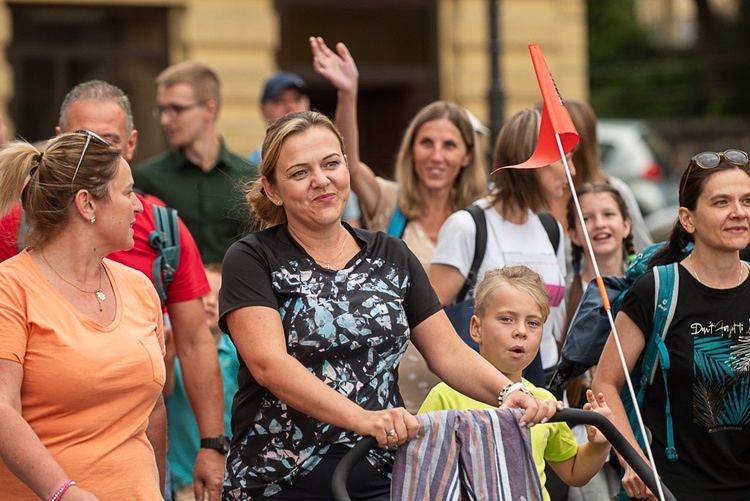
(515, 234)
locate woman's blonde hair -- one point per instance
(518, 189)
(266, 212)
(48, 182)
(521, 277)
(471, 182)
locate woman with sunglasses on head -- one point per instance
(81, 341)
(708, 385)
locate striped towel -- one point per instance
(467, 455)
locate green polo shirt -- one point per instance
(211, 204)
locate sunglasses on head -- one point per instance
(710, 159)
(89, 135)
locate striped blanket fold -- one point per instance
(467, 455)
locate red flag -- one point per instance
(555, 119)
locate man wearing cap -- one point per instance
(285, 92)
(198, 176)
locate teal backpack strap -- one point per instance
(398, 223)
(655, 355)
(667, 285)
(165, 238)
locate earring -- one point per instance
(92, 220)
(280, 203)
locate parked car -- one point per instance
(635, 153)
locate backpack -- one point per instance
(590, 329)
(654, 355)
(165, 238)
(461, 312)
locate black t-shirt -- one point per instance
(349, 327)
(709, 388)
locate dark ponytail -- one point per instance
(674, 250)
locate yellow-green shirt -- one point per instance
(549, 441)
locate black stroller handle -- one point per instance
(620, 444)
(570, 416)
(351, 458)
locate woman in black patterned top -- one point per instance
(321, 314)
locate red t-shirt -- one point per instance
(9, 225)
(189, 281)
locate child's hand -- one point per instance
(600, 406)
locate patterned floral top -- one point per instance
(349, 327)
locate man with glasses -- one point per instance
(198, 176)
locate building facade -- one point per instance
(409, 53)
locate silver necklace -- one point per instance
(326, 264)
(98, 292)
(692, 265)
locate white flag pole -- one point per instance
(608, 309)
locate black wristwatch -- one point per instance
(219, 444)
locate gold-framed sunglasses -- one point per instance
(711, 159)
(89, 136)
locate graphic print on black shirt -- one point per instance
(709, 388)
(347, 327)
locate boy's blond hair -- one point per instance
(520, 277)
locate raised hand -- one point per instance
(340, 69)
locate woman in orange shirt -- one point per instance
(81, 337)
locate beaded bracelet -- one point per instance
(61, 490)
(509, 388)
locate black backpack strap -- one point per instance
(480, 246)
(553, 230)
(165, 238)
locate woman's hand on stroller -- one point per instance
(390, 427)
(599, 406)
(535, 410)
(634, 486)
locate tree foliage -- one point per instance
(632, 74)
